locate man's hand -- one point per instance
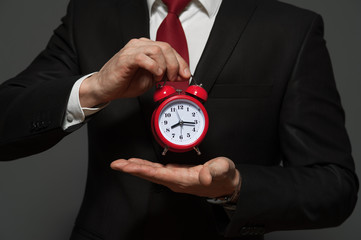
(216, 178)
(133, 71)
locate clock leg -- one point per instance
(165, 150)
(197, 150)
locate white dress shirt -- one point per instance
(197, 20)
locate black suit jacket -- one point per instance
(273, 108)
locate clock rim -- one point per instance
(159, 135)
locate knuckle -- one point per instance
(152, 65)
(138, 57)
(156, 50)
(133, 41)
(166, 46)
(121, 57)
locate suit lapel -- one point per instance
(230, 23)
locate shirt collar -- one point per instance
(211, 6)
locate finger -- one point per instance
(151, 62)
(137, 166)
(146, 54)
(145, 162)
(143, 171)
(156, 174)
(177, 67)
(134, 165)
(173, 176)
(175, 165)
(172, 64)
(119, 164)
(162, 54)
(156, 53)
(184, 72)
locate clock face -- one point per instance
(182, 122)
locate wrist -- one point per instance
(88, 93)
(229, 201)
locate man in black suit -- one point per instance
(276, 144)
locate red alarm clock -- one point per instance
(180, 121)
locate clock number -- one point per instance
(168, 114)
(165, 122)
(172, 109)
(194, 129)
(188, 135)
(181, 137)
(173, 135)
(180, 107)
(187, 109)
(195, 121)
(193, 114)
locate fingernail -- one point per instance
(187, 71)
(159, 71)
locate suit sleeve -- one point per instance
(34, 102)
(316, 185)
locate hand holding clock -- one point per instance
(133, 71)
(216, 178)
(130, 73)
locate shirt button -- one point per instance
(70, 118)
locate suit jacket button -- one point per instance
(244, 231)
(34, 126)
(46, 124)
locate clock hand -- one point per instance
(176, 125)
(192, 123)
(181, 123)
(178, 115)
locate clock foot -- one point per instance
(165, 151)
(197, 150)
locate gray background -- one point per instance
(40, 195)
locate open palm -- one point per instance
(217, 177)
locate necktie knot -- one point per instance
(176, 6)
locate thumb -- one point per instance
(205, 177)
(212, 170)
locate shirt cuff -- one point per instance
(75, 114)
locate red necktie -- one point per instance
(171, 31)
